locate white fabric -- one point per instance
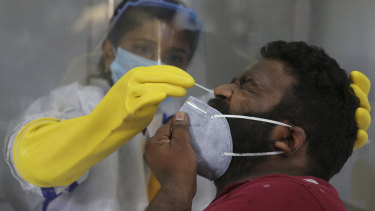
(119, 182)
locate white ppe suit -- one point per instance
(118, 182)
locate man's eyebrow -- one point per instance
(248, 79)
(253, 82)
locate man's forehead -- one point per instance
(266, 67)
(268, 74)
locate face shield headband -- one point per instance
(184, 15)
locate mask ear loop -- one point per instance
(115, 54)
(231, 154)
(255, 119)
(250, 118)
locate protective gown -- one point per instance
(119, 182)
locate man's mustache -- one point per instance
(219, 104)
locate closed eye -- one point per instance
(246, 83)
(249, 81)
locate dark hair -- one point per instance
(133, 17)
(321, 101)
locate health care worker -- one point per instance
(71, 150)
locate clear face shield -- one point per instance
(149, 32)
(140, 33)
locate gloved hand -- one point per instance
(361, 86)
(48, 152)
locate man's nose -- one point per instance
(224, 91)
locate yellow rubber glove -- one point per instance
(49, 152)
(361, 86)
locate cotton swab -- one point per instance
(204, 88)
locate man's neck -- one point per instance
(257, 172)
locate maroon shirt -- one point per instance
(278, 192)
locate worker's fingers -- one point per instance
(169, 89)
(362, 97)
(363, 118)
(361, 81)
(361, 139)
(161, 74)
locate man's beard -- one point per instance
(248, 136)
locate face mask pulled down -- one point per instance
(211, 139)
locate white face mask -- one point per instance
(211, 139)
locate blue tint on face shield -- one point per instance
(126, 61)
(188, 18)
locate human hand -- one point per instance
(146, 87)
(361, 86)
(171, 158)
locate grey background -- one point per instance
(39, 38)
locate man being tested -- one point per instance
(296, 84)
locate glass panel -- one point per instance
(49, 44)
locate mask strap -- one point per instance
(114, 53)
(251, 154)
(256, 119)
(250, 118)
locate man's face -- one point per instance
(256, 92)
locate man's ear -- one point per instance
(288, 139)
(108, 53)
